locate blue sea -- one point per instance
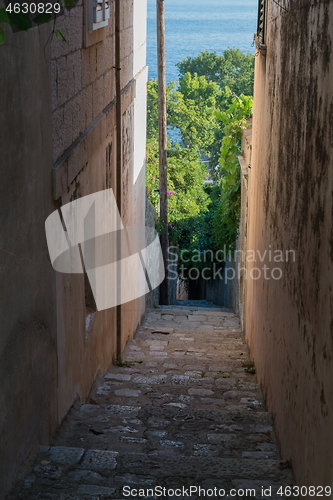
(192, 26)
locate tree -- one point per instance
(174, 100)
(191, 108)
(186, 196)
(226, 218)
(233, 69)
(233, 73)
(194, 114)
(211, 119)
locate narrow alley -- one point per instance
(184, 413)
(204, 129)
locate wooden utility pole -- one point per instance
(162, 134)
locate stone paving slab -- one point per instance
(185, 413)
(102, 474)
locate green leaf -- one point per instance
(4, 16)
(2, 36)
(42, 18)
(68, 3)
(219, 115)
(231, 180)
(20, 21)
(61, 36)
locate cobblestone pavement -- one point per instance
(185, 414)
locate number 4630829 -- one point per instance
(303, 491)
(34, 8)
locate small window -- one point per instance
(261, 21)
(98, 14)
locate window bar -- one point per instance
(91, 8)
(261, 21)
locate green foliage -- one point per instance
(250, 368)
(188, 199)
(152, 109)
(198, 238)
(209, 109)
(233, 73)
(174, 101)
(122, 362)
(61, 36)
(194, 114)
(234, 120)
(68, 3)
(190, 108)
(42, 18)
(205, 63)
(3, 16)
(233, 69)
(186, 195)
(17, 20)
(226, 217)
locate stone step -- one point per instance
(190, 432)
(193, 308)
(207, 311)
(183, 389)
(63, 473)
(183, 413)
(203, 322)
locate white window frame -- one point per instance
(98, 14)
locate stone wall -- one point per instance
(28, 337)
(153, 297)
(289, 320)
(60, 145)
(214, 291)
(245, 160)
(230, 281)
(84, 154)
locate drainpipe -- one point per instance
(119, 164)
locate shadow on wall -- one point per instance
(67, 134)
(222, 291)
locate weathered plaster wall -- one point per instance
(84, 136)
(59, 143)
(214, 291)
(289, 322)
(245, 161)
(152, 298)
(85, 162)
(28, 352)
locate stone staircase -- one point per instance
(184, 414)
